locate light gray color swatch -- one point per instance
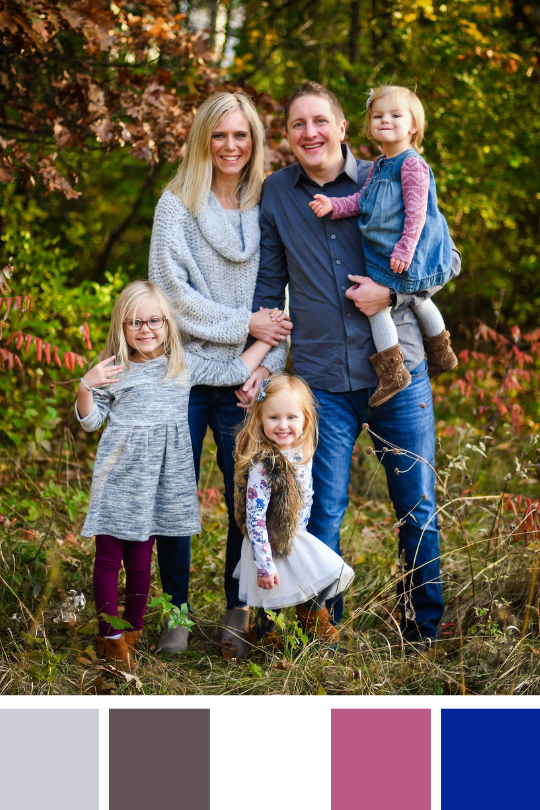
(49, 759)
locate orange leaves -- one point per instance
(85, 332)
(9, 360)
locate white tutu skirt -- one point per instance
(310, 567)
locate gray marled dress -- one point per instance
(144, 480)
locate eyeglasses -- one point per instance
(153, 323)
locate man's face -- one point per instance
(314, 133)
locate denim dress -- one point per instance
(382, 218)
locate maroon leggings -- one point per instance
(137, 557)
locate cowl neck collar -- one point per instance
(219, 231)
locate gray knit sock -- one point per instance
(430, 319)
(383, 329)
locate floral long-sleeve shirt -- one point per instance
(258, 498)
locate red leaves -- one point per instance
(85, 332)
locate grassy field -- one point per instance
(489, 640)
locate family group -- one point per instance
(361, 247)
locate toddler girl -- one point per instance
(282, 563)
(144, 481)
(402, 231)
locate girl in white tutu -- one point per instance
(282, 564)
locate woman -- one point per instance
(205, 255)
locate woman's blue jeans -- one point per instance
(215, 407)
(406, 421)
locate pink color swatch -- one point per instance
(381, 759)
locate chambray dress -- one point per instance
(144, 479)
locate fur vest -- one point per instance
(284, 509)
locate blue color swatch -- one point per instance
(489, 759)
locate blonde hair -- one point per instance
(252, 443)
(195, 174)
(413, 104)
(132, 296)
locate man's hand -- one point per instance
(246, 394)
(367, 295)
(268, 582)
(269, 329)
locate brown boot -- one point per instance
(270, 640)
(392, 374)
(440, 357)
(115, 651)
(317, 623)
(133, 639)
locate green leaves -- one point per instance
(171, 614)
(115, 621)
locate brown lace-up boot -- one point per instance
(133, 639)
(392, 374)
(440, 357)
(317, 623)
(115, 651)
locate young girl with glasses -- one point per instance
(282, 564)
(143, 484)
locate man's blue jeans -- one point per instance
(215, 407)
(402, 421)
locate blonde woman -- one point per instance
(205, 255)
(143, 484)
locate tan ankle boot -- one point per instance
(115, 651)
(133, 639)
(392, 374)
(317, 623)
(440, 357)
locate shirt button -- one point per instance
(338, 262)
(344, 288)
(349, 315)
(351, 342)
(333, 236)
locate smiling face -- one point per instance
(392, 124)
(315, 136)
(147, 342)
(231, 144)
(283, 418)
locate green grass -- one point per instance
(490, 632)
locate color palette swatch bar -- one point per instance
(381, 759)
(489, 758)
(159, 758)
(49, 758)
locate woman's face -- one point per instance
(231, 145)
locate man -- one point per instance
(330, 296)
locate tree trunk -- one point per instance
(354, 31)
(214, 5)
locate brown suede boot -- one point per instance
(133, 639)
(115, 651)
(270, 640)
(440, 357)
(317, 623)
(392, 374)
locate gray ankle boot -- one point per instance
(233, 637)
(174, 641)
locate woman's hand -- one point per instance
(321, 205)
(102, 374)
(268, 329)
(268, 582)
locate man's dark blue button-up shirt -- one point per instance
(331, 338)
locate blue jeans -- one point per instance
(215, 407)
(404, 423)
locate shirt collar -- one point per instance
(350, 168)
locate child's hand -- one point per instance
(268, 582)
(102, 374)
(321, 205)
(397, 265)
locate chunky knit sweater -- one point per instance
(209, 275)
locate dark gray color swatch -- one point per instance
(159, 758)
(49, 759)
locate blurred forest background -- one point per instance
(96, 99)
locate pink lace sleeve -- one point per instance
(348, 206)
(415, 185)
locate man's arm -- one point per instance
(412, 299)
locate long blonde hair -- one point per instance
(195, 174)
(413, 104)
(253, 444)
(132, 296)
